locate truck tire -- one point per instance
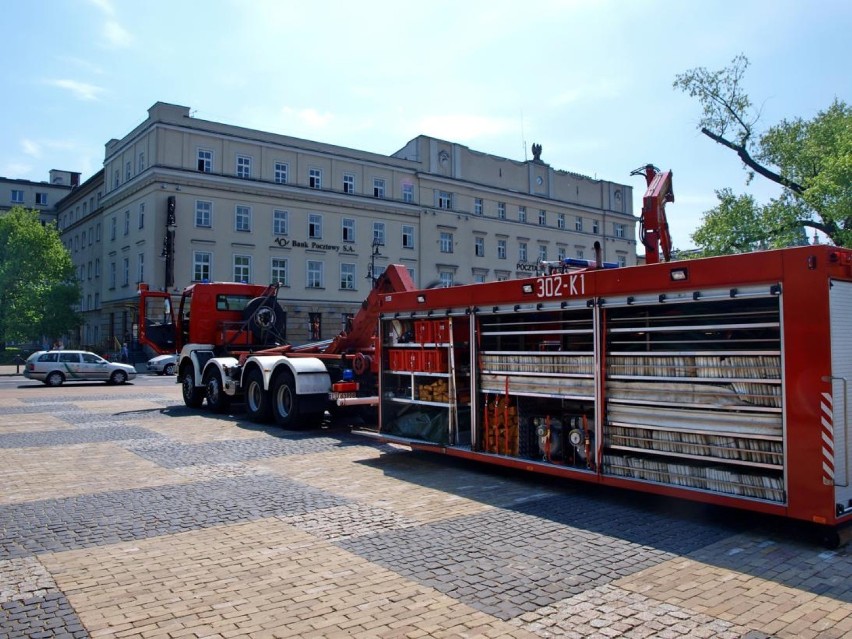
(285, 402)
(214, 390)
(192, 396)
(266, 320)
(258, 405)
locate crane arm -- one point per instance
(653, 226)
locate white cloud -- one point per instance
(116, 35)
(31, 148)
(80, 90)
(309, 117)
(105, 6)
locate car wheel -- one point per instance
(118, 377)
(54, 378)
(192, 396)
(285, 402)
(169, 370)
(257, 399)
(217, 400)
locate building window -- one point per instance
(560, 253)
(522, 251)
(501, 249)
(622, 260)
(201, 266)
(501, 210)
(522, 214)
(97, 267)
(127, 222)
(378, 187)
(560, 221)
(315, 226)
(41, 198)
(479, 246)
(281, 173)
(98, 232)
(142, 215)
(203, 214)
(315, 325)
(315, 178)
(113, 227)
(140, 267)
(314, 273)
(348, 183)
(408, 237)
(242, 218)
(279, 271)
(17, 196)
(446, 242)
(578, 224)
(446, 278)
(243, 166)
(580, 254)
(477, 206)
(83, 240)
(112, 274)
(618, 230)
(89, 270)
(205, 160)
(347, 277)
(542, 252)
(280, 222)
(408, 192)
(595, 227)
(141, 161)
(479, 278)
(116, 179)
(348, 229)
(378, 233)
(128, 168)
(242, 268)
(542, 217)
(445, 200)
(411, 273)
(125, 271)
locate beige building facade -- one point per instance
(37, 196)
(183, 200)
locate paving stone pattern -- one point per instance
(198, 525)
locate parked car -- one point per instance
(55, 367)
(162, 364)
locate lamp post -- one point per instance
(168, 253)
(373, 255)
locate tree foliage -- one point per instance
(810, 159)
(38, 287)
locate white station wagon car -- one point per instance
(162, 364)
(55, 367)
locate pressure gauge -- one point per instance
(575, 437)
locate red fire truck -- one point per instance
(722, 380)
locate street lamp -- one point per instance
(375, 253)
(168, 253)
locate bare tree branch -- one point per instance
(750, 162)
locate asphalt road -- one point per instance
(125, 514)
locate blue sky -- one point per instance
(590, 81)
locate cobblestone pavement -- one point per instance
(124, 514)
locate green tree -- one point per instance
(38, 287)
(810, 159)
(738, 224)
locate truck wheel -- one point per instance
(192, 396)
(217, 400)
(257, 399)
(285, 402)
(54, 379)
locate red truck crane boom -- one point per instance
(653, 226)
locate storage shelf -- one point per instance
(704, 458)
(421, 402)
(702, 431)
(533, 374)
(417, 373)
(700, 380)
(502, 391)
(734, 408)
